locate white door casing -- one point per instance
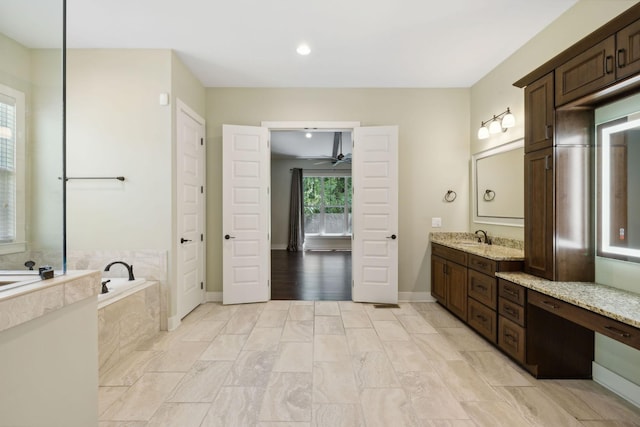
(190, 169)
(375, 214)
(246, 177)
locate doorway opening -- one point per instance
(319, 269)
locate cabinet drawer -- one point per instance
(482, 319)
(483, 288)
(511, 291)
(483, 265)
(511, 311)
(449, 253)
(512, 339)
(618, 331)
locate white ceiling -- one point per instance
(292, 144)
(354, 43)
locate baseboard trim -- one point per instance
(415, 297)
(277, 247)
(172, 323)
(617, 384)
(213, 297)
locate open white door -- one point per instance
(375, 213)
(190, 268)
(246, 178)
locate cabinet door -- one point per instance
(628, 51)
(593, 69)
(539, 213)
(538, 111)
(457, 289)
(438, 279)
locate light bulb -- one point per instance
(308, 134)
(483, 132)
(508, 121)
(303, 49)
(494, 126)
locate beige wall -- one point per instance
(494, 93)
(433, 156)
(116, 126)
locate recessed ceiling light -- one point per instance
(308, 134)
(303, 49)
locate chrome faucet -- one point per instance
(487, 240)
(129, 268)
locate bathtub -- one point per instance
(120, 288)
(128, 316)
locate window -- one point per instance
(327, 205)
(12, 183)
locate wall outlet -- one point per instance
(436, 222)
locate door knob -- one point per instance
(183, 240)
(392, 237)
(226, 236)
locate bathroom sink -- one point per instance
(468, 243)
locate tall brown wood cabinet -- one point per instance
(558, 215)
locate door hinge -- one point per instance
(268, 144)
(268, 237)
(353, 284)
(201, 141)
(202, 189)
(201, 285)
(268, 189)
(202, 237)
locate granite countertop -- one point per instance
(501, 249)
(617, 304)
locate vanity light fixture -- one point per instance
(498, 123)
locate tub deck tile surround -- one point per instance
(501, 249)
(617, 304)
(25, 303)
(354, 377)
(126, 323)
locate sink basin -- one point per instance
(468, 243)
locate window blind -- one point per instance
(7, 169)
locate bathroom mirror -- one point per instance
(31, 136)
(618, 157)
(498, 185)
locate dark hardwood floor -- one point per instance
(311, 275)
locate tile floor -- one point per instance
(300, 363)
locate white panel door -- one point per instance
(246, 177)
(375, 214)
(190, 209)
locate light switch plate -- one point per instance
(436, 222)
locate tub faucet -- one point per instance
(129, 268)
(487, 240)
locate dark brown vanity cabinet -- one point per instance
(512, 301)
(628, 50)
(557, 219)
(591, 70)
(483, 293)
(539, 114)
(612, 59)
(466, 285)
(449, 279)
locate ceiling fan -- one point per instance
(337, 157)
